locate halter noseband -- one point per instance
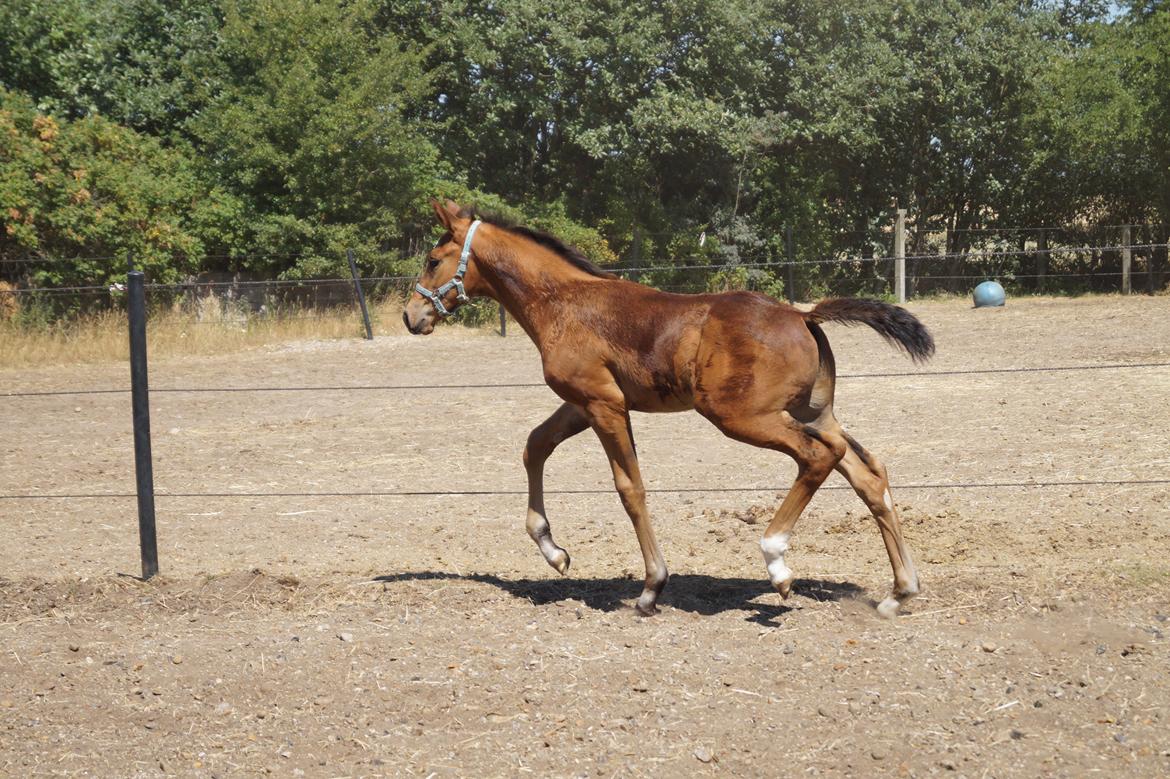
(456, 282)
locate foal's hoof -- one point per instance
(888, 609)
(784, 587)
(646, 607)
(560, 561)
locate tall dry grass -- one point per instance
(103, 337)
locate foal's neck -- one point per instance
(532, 282)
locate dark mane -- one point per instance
(570, 254)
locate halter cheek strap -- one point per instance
(456, 282)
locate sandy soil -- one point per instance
(397, 636)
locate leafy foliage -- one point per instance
(269, 137)
(142, 63)
(311, 129)
(86, 194)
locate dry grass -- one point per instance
(102, 337)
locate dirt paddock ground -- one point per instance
(425, 636)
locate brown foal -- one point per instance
(760, 370)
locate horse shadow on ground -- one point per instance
(696, 593)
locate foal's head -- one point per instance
(446, 280)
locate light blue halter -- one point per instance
(455, 283)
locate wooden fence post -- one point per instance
(1150, 236)
(636, 254)
(1126, 260)
(1151, 257)
(900, 256)
(790, 253)
(1041, 260)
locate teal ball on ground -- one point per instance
(989, 293)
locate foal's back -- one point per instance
(671, 352)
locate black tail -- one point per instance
(895, 324)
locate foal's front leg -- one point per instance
(566, 422)
(612, 425)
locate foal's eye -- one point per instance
(432, 264)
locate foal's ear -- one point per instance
(442, 213)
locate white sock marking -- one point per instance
(888, 608)
(774, 547)
(889, 500)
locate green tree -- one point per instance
(328, 124)
(141, 63)
(1099, 126)
(312, 129)
(912, 103)
(80, 196)
(1151, 33)
(637, 117)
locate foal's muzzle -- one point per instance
(423, 320)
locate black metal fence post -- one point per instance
(361, 295)
(140, 398)
(790, 284)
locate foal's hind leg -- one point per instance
(868, 477)
(565, 422)
(816, 453)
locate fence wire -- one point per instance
(591, 491)
(535, 384)
(661, 266)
